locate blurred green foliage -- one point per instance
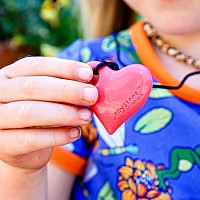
(48, 25)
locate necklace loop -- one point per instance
(111, 65)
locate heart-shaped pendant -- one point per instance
(121, 94)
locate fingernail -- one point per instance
(85, 114)
(85, 73)
(90, 94)
(74, 133)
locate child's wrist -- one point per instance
(22, 183)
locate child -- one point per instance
(154, 155)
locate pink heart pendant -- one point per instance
(121, 94)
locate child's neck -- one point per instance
(189, 44)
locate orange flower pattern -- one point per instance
(138, 180)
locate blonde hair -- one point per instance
(100, 17)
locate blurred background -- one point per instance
(38, 27)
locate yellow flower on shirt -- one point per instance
(138, 180)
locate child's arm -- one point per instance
(19, 184)
(60, 183)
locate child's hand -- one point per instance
(37, 108)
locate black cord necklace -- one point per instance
(114, 66)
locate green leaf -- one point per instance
(157, 93)
(108, 44)
(106, 193)
(154, 120)
(124, 38)
(49, 50)
(85, 54)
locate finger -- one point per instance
(23, 141)
(49, 66)
(32, 113)
(47, 89)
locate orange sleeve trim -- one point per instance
(149, 58)
(68, 161)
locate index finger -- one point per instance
(49, 66)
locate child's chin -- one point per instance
(175, 25)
